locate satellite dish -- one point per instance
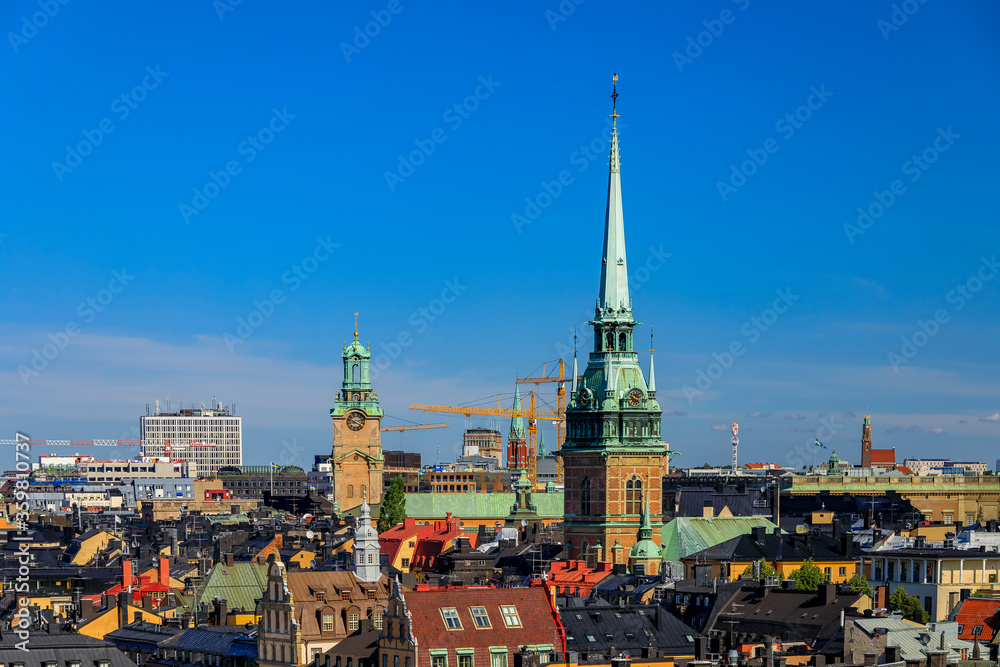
(524, 522)
(306, 517)
(310, 534)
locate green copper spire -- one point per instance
(613, 302)
(541, 444)
(645, 547)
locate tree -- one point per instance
(393, 509)
(908, 605)
(808, 577)
(859, 585)
(766, 569)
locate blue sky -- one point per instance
(262, 147)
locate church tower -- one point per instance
(357, 458)
(614, 453)
(366, 547)
(866, 442)
(517, 445)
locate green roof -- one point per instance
(686, 535)
(479, 505)
(240, 585)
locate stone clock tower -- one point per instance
(357, 440)
(614, 452)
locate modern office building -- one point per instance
(484, 442)
(208, 437)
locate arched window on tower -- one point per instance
(356, 373)
(350, 490)
(622, 341)
(585, 497)
(633, 496)
(611, 342)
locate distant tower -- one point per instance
(866, 442)
(366, 547)
(517, 445)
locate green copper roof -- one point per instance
(517, 423)
(479, 505)
(645, 547)
(240, 585)
(686, 535)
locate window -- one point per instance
(451, 619)
(327, 622)
(406, 562)
(377, 619)
(465, 660)
(633, 496)
(385, 660)
(345, 596)
(498, 657)
(976, 631)
(352, 622)
(585, 497)
(591, 638)
(371, 592)
(827, 574)
(480, 617)
(320, 596)
(843, 571)
(350, 490)
(970, 519)
(439, 660)
(510, 617)
(961, 629)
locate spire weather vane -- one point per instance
(614, 96)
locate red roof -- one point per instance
(568, 577)
(904, 470)
(977, 611)
(537, 621)
(883, 456)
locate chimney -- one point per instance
(126, 573)
(701, 648)
(827, 594)
(870, 659)
(847, 546)
(937, 658)
(914, 662)
(173, 542)
(819, 660)
(838, 528)
(163, 571)
(893, 654)
(708, 510)
(229, 560)
(759, 532)
(123, 609)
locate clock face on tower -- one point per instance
(355, 421)
(635, 397)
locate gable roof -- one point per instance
(977, 611)
(686, 535)
(240, 585)
(537, 622)
(601, 627)
(883, 456)
(785, 548)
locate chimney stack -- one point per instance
(708, 510)
(123, 609)
(163, 571)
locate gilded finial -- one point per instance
(355, 326)
(614, 96)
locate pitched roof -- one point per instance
(883, 456)
(686, 535)
(537, 623)
(60, 648)
(792, 615)
(479, 505)
(599, 627)
(974, 612)
(240, 585)
(786, 548)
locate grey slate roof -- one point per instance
(61, 648)
(597, 628)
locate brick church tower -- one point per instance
(357, 457)
(614, 453)
(866, 442)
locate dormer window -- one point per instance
(345, 596)
(320, 596)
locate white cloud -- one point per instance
(937, 431)
(995, 417)
(758, 415)
(794, 415)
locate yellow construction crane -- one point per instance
(414, 427)
(531, 414)
(560, 405)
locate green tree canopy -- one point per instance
(908, 605)
(766, 569)
(393, 509)
(808, 577)
(859, 585)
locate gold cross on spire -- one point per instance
(355, 326)
(614, 96)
